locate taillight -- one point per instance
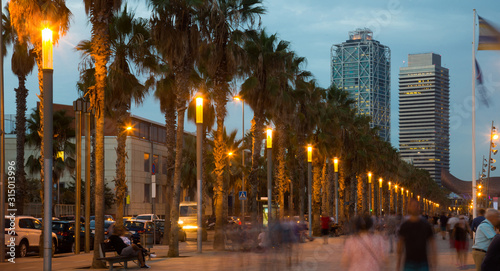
(239, 222)
(141, 231)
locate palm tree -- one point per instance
(45, 13)
(222, 55)
(62, 144)
(22, 64)
(100, 14)
(129, 38)
(263, 52)
(176, 37)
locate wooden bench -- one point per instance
(107, 247)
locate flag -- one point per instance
(481, 89)
(489, 36)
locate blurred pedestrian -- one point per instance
(476, 221)
(392, 226)
(491, 260)
(363, 250)
(450, 226)
(484, 234)
(443, 221)
(325, 227)
(460, 233)
(417, 246)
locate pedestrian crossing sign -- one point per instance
(243, 195)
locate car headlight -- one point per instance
(189, 227)
(180, 222)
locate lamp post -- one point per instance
(402, 201)
(78, 107)
(48, 136)
(87, 177)
(2, 152)
(199, 142)
(269, 146)
(309, 187)
(493, 136)
(380, 196)
(237, 98)
(396, 198)
(370, 192)
(336, 173)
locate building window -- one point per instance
(146, 162)
(156, 163)
(147, 193)
(164, 165)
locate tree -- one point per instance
(62, 145)
(176, 37)
(222, 55)
(100, 13)
(44, 13)
(22, 64)
(262, 51)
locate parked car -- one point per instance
(25, 232)
(138, 227)
(106, 218)
(107, 224)
(160, 223)
(53, 219)
(148, 217)
(71, 218)
(65, 231)
(188, 219)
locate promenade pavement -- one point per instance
(307, 256)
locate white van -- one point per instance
(188, 212)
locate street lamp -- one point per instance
(402, 201)
(396, 198)
(370, 192)
(237, 98)
(493, 136)
(309, 187)
(199, 142)
(269, 145)
(78, 106)
(336, 174)
(380, 196)
(48, 135)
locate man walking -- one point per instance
(416, 239)
(484, 234)
(476, 221)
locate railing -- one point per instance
(35, 209)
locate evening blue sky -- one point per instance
(312, 26)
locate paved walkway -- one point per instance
(308, 256)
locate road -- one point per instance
(307, 256)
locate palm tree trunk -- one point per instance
(281, 169)
(316, 197)
(360, 195)
(324, 188)
(40, 133)
(253, 178)
(170, 125)
(102, 49)
(331, 190)
(173, 248)
(121, 160)
(301, 158)
(21, 94)
(220, 160)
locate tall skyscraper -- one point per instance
(361, 66)
(424, 114)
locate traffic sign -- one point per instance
(153, 169)
(243, 195)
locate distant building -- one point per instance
(145, 145)
(361, 66)
(424, 101)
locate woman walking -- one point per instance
(460, 232)
(364, 250)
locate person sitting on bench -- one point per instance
(126, 250)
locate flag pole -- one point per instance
(474, 198)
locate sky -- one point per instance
(443, 27)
